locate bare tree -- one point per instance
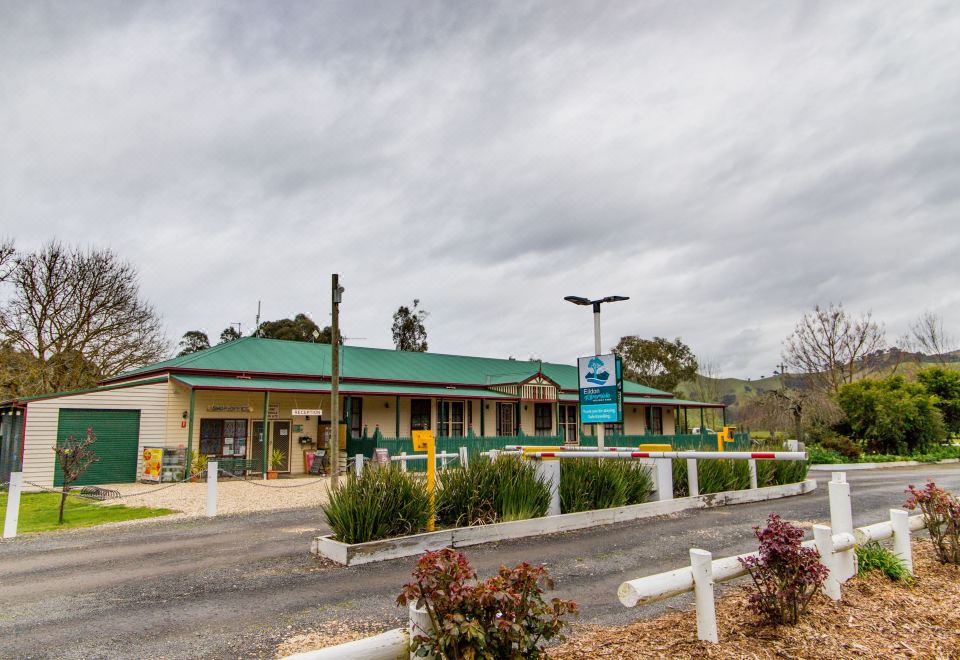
(74, 458)
(831, 348)
(706, 388)
(927, 336)
(7, 254)
(80, 315)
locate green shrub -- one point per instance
(766, 473)
(715, 476)
(820, 456)
(945, 385)
(789, 472)
(891, 415)
(521, 494)
(592, 483)
(379, 504)
(681, 479)
(841, 444)
(874, 557)
(491, 491)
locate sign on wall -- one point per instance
(273, 411)
(601, 389)
(306, 412)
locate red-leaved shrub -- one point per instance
(786, 574)
(941, 517)
(503, 616)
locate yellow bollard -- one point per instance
(424, 440)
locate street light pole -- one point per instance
(597, 344)
(336, 291)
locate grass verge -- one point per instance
(39, 512)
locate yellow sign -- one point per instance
(152, 460)
(424, 441)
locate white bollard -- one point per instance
(464, 457)
(701, 565)
(494, 454)
(211, 489)
(792, 445)
(823, 539)
(693, 482)
(13, 505)
(900, 521)
(419, 625)
(358, 464)
(403, 461)
(664, 469)
(549, 472)
(753, 473)
(841, 521)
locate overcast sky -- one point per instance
(726, 165)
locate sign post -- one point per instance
(424, 441)
(601, 390)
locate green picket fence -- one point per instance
(679, 442)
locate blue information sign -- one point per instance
(601, 389)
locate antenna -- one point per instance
(256, 328)
(239, 325)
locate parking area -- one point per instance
(233, 495)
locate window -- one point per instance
(568, 422)
(542, 419)
(451, 423)
(656, 421)
(613, 429)
(505, 419)
(419, 414)
(223, 437)
(356, 417)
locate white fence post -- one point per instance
(823, 539)
(358, 464)
(900, 521)
(419, 625)
(693, 483)
(841, 521)
(753, 473)
(13, 505)
(443, 460)
(211, 489)
(701, 565)
(403, 461)
(549, 472)
(664, 470)
(464, 457)
(494, 454)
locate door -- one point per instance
(505, 419)
(118, 435)
(256, 446)
(281, 441)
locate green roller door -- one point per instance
(117, 433)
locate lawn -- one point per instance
(38, 512)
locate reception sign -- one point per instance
(601, 389)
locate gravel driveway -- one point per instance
(233, 495)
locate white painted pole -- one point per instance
(403, 461)
(753, 472)
(900, 521)
(701, 564)
(13, 505)
(693, 481)
(823, 540)
(211, 489)
(464, 457)
(841, 521)
(358, 464)
(443, 460)
(419, 625)
(549, 472)
(664, 468)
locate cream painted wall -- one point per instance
(43, 418)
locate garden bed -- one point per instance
(875, 618)
(407, 546)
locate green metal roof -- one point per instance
(266, 357)
(323, 387)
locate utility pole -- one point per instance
(336, 291)
(256, 327)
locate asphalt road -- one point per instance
(237, 586)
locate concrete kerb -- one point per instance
(846, 467)
(408, 546)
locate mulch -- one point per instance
(876, 618)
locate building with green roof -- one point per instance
(217, 402)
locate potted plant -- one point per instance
(198, 466)
(277, 458)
